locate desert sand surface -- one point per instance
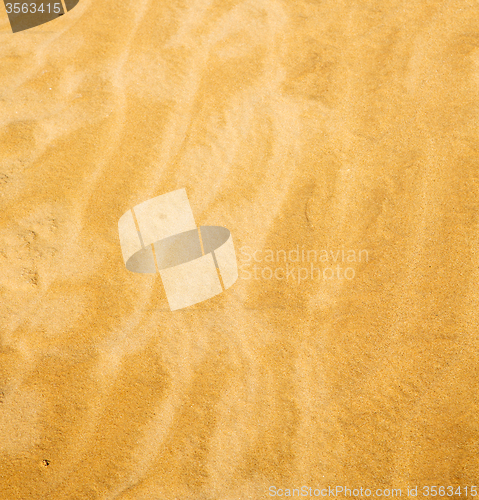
(298, 125)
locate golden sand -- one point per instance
(298, 125)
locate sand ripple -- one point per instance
(322, 125)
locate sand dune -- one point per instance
(298, 125)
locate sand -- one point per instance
(298, 125)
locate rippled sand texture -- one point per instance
(326, 124)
